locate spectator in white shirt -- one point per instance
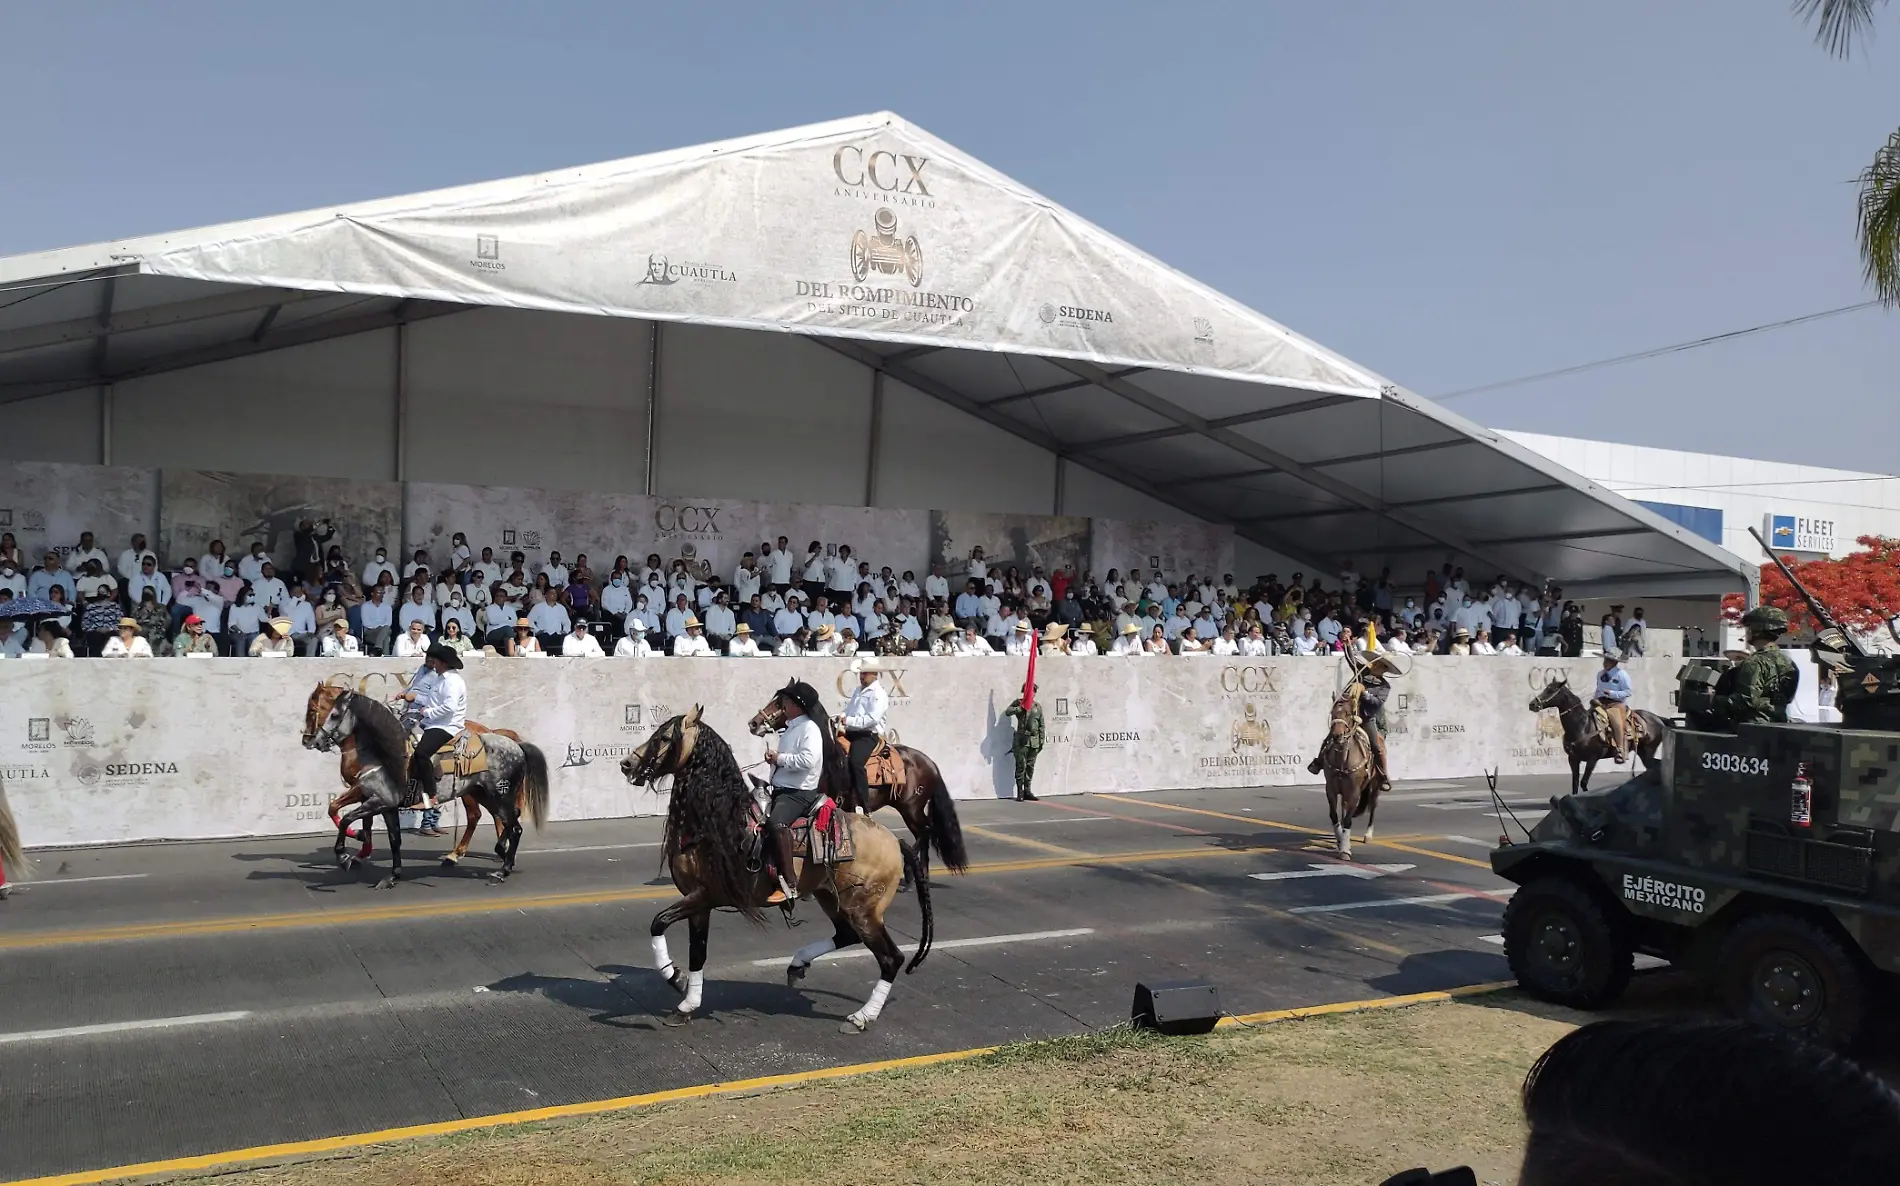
(616, 600)
(148, 577)
(13, 640)
(214, 562)
(457, 610)
(1084, 642)
(972, 644)
(270, 589)
(875, 624)
(1481, 645)
(1190, 644)
(524, 644)
(128, 643)
(676, 617)
(251, 568)
(11, 578)
(1021, 640)
(817, 568)
(87, 551)
(979, 569)
(557, 572)
(374, 570)
(1307, 643)
(720, 624)
(498, 624)
(415, 609)
(550, 621)
(1507, 644)
(692, 644)
(746, 579)
(1396, 642)
(1329, 629)
(244, 619)
(841, 574)
(413, 643)
(95, 580)
(632, 644)
(1255, 643)
(742, 646)
(1173, 628)
(132, 560)
(339, 643)
(822, 641)
(936, 585)
(378, 618)
(1226, 644)
(579, 644)
(1206, 627)
(303, 621)
(778, 566)
(788, 621)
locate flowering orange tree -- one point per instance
(1861, 589)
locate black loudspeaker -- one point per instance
(1177, 1007)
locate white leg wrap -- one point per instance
(875, 1005)
(661, 958)
(695, 982)
(811, 951)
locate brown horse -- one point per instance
(318, 707)
(1584, 743)
(712, 823)
(1351, 790)
(11, 851)
(919, 793)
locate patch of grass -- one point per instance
(1327, 1101)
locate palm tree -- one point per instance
(1838, 24)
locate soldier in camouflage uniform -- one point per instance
(1025, 744)
(1761, 685)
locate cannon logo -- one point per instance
(883, 252)
(662, 272)
(1252, 731)
(676, 521)
(882, 176)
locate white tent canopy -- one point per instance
(887, 245)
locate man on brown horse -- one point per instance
(1369, 672)
(863, 723)
(797, 764)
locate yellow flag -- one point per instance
(1372, 638)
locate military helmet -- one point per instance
(1766, 619)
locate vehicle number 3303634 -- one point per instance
(1735, 763)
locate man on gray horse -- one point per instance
(438, 699)
(798, 763)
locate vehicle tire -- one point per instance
(1565, 945)
(1787, 973)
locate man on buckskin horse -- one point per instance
(798, 764)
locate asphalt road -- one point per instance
(161, 1001)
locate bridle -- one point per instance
(333, 728)
(770, 719)
(647, 768)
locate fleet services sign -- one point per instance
(1800, 533)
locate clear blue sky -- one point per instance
(1451, 193)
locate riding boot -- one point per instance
(1319, 760)
(787, 862)
(1380, 770)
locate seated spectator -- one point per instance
(581, 645)
(414, 642)
(1702, 1103)
(10, 553)
(743, 646)
(99, 619)
(524, 645)
(791, 619)
(251, 567)
(378, 617)
(13, 639)
(847, 641)
(51, 643)
(1255, 643)
(550, 621)
(692, 644)
(1055, 640)
(1020, 639)
(95, 580)
(377, 569)
(337, 641)
(271, 591)
(616, 600)
(720, 623)
(128, 643)
(907, 628)
(824, 641)
(1226, 644)
(455, 638)
(329, 611)
(577, 594)
(1460, 641)
(147, 576)
(1157, 642)
(455, 609)
(48, 575)
(1190, 643)
(499, 622)
(154, 619)
(243, 621)
(415, 608)
(78, 560)
(1481, 645)
(274, 642)
(760, 622)
(795, 644)
(193, 640)
(1507, 644)
(973, 644)
(633, 644)
(11, 578)
(556, 572)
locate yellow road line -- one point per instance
(239, 924)
(1267, 823)
(1023, 841)
(294, 1149)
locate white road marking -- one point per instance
(1494, 940)
(1473, 841)
(1483, 805)
(1361, 871)
(1030, 823)
(121, 1027)
(940, 945)
(1377, 903)
(27, 885)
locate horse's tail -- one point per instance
(946, 831)
(919, 869)
(12, 853)
(534, 784)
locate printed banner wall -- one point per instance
(203, 505)
(47, 505)
(96, 752)
(1178, 549)
(1024, 541)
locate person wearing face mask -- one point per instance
(456, 610)
(11, 578)
(330, 610)
(616, 601)
(242, 621)
(251, 567)
(374, 570)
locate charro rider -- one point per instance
(1761, 685)
(797, 764)
(863, 723)
(1613, 696)
(438, 699)
(1369, 671)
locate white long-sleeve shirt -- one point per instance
(801, 755)
(745, 583)
(549, 619)
(116, 648)
(719, 621)
(411, 648)
(936, 586)
(779, 568)
(634, 646)
(375, 614)
(303, 617)
(787, 622)
(414, 612)
(499, 616)
(77, 558)
(131, 559)
(692, 646)
(742, 648)
(136, 585)
(443, 702)
(581, 646)
(616, 599)
(865, 710)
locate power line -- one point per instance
(1657, 352)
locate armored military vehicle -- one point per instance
(1765, 858)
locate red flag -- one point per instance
(1029, 681)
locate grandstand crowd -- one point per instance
(775, 602)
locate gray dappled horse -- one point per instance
(1584, 743)
(382, 748)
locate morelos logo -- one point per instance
(487, 254)
(661, 271)
(882, 176)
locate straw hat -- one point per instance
(1022, 627)
(132, 622)
(280, 627)
(1131, 628)
(743, 629)
(863, 665)
(523, 624)
(1056, 630)
(824, 631)
(691, 621)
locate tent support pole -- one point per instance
(105, 424)
(1061, 476)
(402, 401)
(877, 428)
(653, 399)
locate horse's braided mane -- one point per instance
(379, 736)
(710, 812)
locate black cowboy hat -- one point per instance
(802, 694)
(446, 656)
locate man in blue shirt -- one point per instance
(41, 579)
(1613, 693)
(968, 608)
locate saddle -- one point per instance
(464, 757)
(823, 837)
(1600, 722)
(884, 768)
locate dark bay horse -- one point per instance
(1351, 790)
(1584, 743)
(318, 707)
(516, 773)
(710, 819)
(920, 796)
